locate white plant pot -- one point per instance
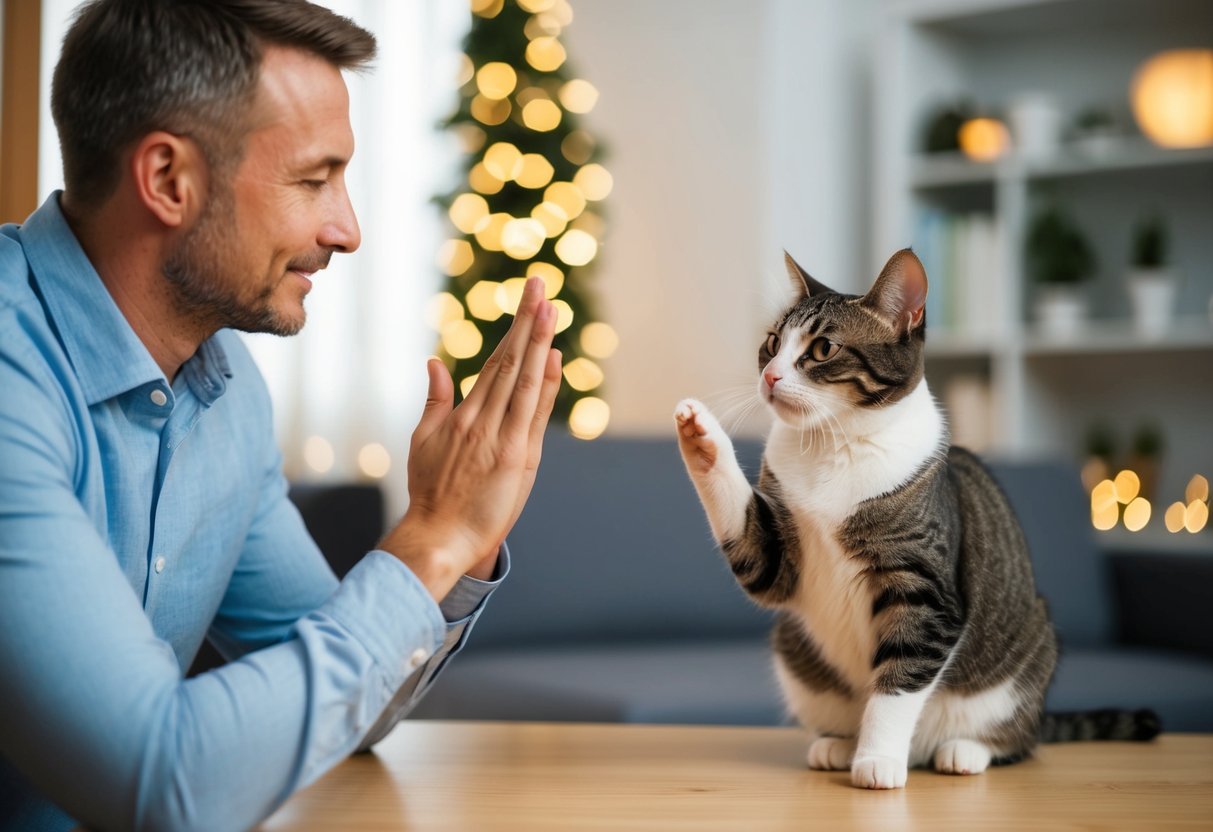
(1036, 125)
(1061, 311)
(1152, 292)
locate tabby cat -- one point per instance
(909, 630)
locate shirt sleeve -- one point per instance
(94, 711)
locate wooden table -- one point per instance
(532, 776)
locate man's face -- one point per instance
(274, 220)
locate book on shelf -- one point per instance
(961, 254)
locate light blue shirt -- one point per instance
(138, 517)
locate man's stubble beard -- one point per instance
(203, 283)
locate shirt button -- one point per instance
(159, 565)
(158, 397)
(418, 658)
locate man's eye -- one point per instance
(315, 184)
(822, 349)
(773, 344)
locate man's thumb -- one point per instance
(438, 403)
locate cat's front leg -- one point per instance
(712, 465)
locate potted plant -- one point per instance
(1152, 283)
(1145, 460)
(1059, 259)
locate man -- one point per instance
(142, 503)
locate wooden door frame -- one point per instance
(19, 109)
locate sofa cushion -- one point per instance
(724, 682)
(614, 546)
(1176, 686)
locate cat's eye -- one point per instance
(822, 349)
(773, 344)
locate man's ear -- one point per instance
(900, 292)
(170, 177)
(802, 282)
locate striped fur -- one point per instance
(909, 628)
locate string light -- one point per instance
(1105, 512)
(578, 96)
(489, 111)
(545, 54)
(589, 417)
(1127, 485)
(481, 180)
(594, 182)
(374, 460)
(1137, 514)
(318, 454)
(496, 80)
(552, 277)
(467, 210)
(541, 116)
(536, 171)
(482, 300)
(552, 217)
(455, 257)
(1176, 517)
(576, 248)
(461, 339)
(582, 374)
(503, 160)
(568, 196)
(1197, 489)
(599, 340)
(522, 238)
(442, 309)
(1196, 516)
(564, 315)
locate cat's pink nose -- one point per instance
(770, 377)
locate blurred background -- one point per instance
(1050, 160)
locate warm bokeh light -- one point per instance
(442, 309)
(1093, 470)
(594, 182)
(461, 339)
(564, 315)
(983, 139)
(487, 8)
(455, 257)
(374, 460)
(466, 385)
(503, 160)
(578, 96)
(1128, 486)
(496, 80)
(576, 248)
(578, 147)
(467, 210)
(536, 6)
(318, 454)
(541, 25)
(568, 196)
(522, 238)
(1196, 516)
(466, 70)
(471, 137)
(1172, 95)
(552, 277)
(482, 181)
(1137, 514)
(1198, 489)
(599, 340)
(582, 374)
(510, 294)
(1105, 511)
(541, 115)
(552, 217)
(490, 112)
(489, 230)
(590, 223)
(482, 300)
(1175, 517)
(589, 418)
(536, 171)
(545, 54)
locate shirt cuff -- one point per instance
(469, 593)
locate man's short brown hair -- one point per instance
(190, 67)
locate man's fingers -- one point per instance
(437, 403)
(521, 365)
(519, 332)
(543, 409)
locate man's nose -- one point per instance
(340, 231)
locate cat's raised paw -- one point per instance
(962, 757)
(879, 773)
(700, 436)
(831, 754)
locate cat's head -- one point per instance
(830, 357)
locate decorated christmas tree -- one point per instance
(527, 204)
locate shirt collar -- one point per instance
(107, 355)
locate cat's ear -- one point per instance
(900, 292)
(802, 282)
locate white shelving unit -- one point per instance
(1044, 394)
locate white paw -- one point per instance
(879, 773)
(831, 754)
(962, 757)
(700, 436)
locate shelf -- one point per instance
(1084, 158)
(1188, 334)
(963, 346)
(1156, 540)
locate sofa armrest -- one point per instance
(1164, 600)
(345, 519)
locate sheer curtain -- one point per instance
(353, 382)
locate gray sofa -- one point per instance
(620, 608)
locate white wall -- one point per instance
(735, 131)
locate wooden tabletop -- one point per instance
(471, 776)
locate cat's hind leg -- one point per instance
(831, 753)
(962, 757)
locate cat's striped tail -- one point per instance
(1107, 724)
